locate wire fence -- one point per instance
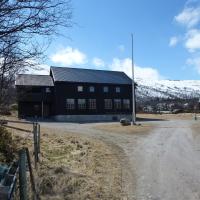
(8, 177)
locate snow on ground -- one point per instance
(168, 88)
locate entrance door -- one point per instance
(46, 111)
(36, 110)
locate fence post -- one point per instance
(33, 186)
(35, 144)
(22, 175)
(38, 138)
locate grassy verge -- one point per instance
(118, 128)
(181, 116)
(73, 166)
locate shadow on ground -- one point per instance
(50, 120)
(141, 119)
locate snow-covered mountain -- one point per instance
(165, 89)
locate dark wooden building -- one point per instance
(71, 94)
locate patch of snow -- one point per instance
(168, 88)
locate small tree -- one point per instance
(25, 27)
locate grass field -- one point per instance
(72, 166)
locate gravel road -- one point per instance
(161, 165)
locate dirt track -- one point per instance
(168, 163)
(162, 165)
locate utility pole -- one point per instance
(133, 87)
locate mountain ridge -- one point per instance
(167, 89)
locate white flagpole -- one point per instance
(133, 87)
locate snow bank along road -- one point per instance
(161, 165)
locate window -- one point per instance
(81, 104)
(91, 89)
(105, 89)
(108, 104)
(70, 104)
(80, 88)
(92, 104)
(126, 104)
(117, 89)
(48, 90)
(117, 104)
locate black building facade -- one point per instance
(70, 94)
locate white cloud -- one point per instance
(195, 62)
(193, 40)
(173, 41)
(121, 48)
(189, 17)
(140, 72)
(98, 62)
(42, 69)
(69, 56)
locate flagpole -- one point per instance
(133, 87)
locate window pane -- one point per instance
(48, 90)
(92, 104)
(70, 104)
(91, 88)
(117, 89)
(108, 104)
(80, 88)
(81, 104)
(126, 104)
(117, 104)
(105, 89)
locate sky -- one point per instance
(166, 38)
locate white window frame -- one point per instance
(47, 90)
(92, 104)
(126, 104)
(105, 89)
(81, 104)
(117, 89)
(70, 104)
(80, 88)
(108, 104)
(117, 104)
(92, 89)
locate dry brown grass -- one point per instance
(73, 166)
(7, 146)
(118, 128)
(181, 116)
(78, 168)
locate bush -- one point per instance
(5, 111)
(7, 146)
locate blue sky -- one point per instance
(166, 38)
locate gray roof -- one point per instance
(67, 74)
(34, 80)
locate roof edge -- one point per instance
(89, 69)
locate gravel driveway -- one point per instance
(161, 165)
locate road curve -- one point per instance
(162, 165)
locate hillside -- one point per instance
(167, 89)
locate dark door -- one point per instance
(36, 110)
(46, 111)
